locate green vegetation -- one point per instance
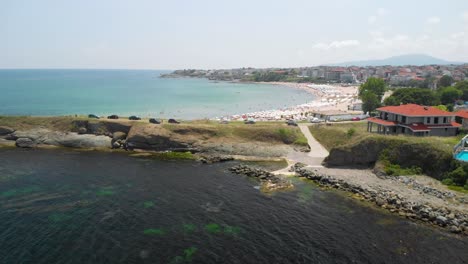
(187, 257)
(171, 155)
(19, 191)
(371, 93)
(231, 230)
(154, 231)
(213, 228)
(105, 191)
(446, 95)
(148, 204)
(189, 228)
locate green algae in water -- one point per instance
(148, 204)
(213, 228)
(189, 228)
(187, 257)
(232, 230)
(58, 217)
(105, 191)
(154, 231)
(20, 191)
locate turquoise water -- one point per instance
(463, 156)
(134, 92)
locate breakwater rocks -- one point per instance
(455, 222)
(270, 182)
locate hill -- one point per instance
(408, 59)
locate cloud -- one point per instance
(433, 20)
(457, 35)
(382, 11)
(465, 16)
(372, 19)
(337, 44)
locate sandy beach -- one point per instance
(328, 98)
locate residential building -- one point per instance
(413, 119)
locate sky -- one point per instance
(208, 34)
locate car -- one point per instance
(249, 121)
(134, 118)
(155, 121)
(291, 123)
(113, 117)
(356, 118)
(93, 116)
(316, 120)
(173, 121)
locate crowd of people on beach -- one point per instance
(327, 98)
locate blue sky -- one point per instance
(154, 34)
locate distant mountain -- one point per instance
(409, 59)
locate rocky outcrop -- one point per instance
(4, 130)
(211, 158)
(270, 181)
(35, 137)
(455, 222)
(101, 127)
(25, 143)
(155, 138)
(433, 162)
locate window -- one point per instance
(428, 120)
(436, 120)
(445, 120)
(403, 119)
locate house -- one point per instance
(413, 119)
(461, 117)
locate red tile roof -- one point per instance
(418, 127)
(462, 113)
(415, 110)
(381, 121)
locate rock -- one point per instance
(55, 138)
(116, 145)
(119, 135)
(454, 229)
(154, 138)
(297, 167)
(4, 130)
(82, 130)
(441, 220)
(24, 143)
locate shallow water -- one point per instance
(135, 92)
(72, 207)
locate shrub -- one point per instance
(351, 132)
(458, 176)
(447, 181)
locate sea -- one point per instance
(66, 206)
(135, 92)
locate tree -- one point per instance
(445, 81)
(463, 87)
(374, 85)
(419, 96)
(370, 101)
(441, 107)
(448, 95)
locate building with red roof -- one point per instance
(413, 119)
(461, 116)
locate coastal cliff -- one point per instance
(262, 139)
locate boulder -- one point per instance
(4, 130)
(24, 143)
(82, 130)
(119, 135)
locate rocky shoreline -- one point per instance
(270, 182)
(441, 216)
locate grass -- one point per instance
(457, 188)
